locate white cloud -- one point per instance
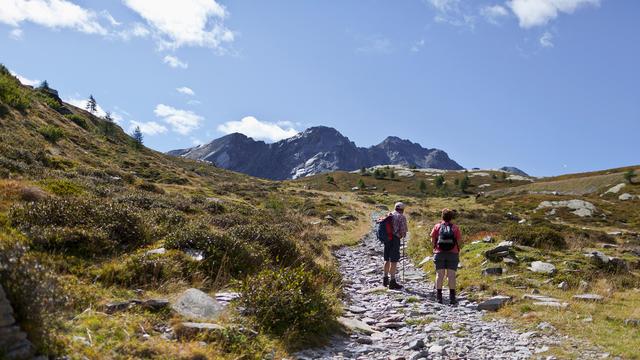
(25, 81)
(100, 112)
(532, 13)
(174, 62)
(50, 13)
(257, 129)
(375, 44)
(492, 13)
(181, 121)
(137, 30)
(107, 15)
(185, 22)
(148, 128)
(185, 90)
(417, 46)
(16, 34)
(194, 102)
(453, 12)
(546, 40)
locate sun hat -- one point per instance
(399, 205)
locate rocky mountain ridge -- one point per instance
(313, 151)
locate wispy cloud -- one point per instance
(375, 44)
(55, 14)
(185, 90)
(453, 12)
(261, 130)
(148, 127)
(26, 81)
(174, 62)
(15, 34)
(417, 46)
(546, 40)
(181, 121)
(198, 23)
(494, 13)
(531, 13)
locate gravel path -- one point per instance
(410, 324)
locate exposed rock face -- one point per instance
(580, 208)
(313, 151)
(514, 170)
(13, 342)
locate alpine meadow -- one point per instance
(431, 179)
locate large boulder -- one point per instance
(195, 304)
(504, 249)
(494, 303)
(580, 208)
(542, 267)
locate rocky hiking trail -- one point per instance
(410, 324)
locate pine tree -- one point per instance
(361, 184)
(464, 183)
(92, 104)
(363, 171)
(44, 85)
(439, 181)
(137, 137)
(423, 186)
(108, 117)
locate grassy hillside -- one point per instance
(81, 206)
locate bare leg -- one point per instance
(451, 275)
(439, 279)
(392, 268)
(387, 265)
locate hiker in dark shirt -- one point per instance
(445, 238)
(392, 248)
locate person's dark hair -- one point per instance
(447, 215)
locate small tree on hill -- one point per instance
(392, 174)
(378, 174)
(92, 105)
(629, 175)
(363, 170)
(137, 137)
(439, 181)
(361, 184)
(108, 117)
(44, 85)
(464, 183)
(423, 186)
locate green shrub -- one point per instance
(538, 236)
(84, 226)
(78, 120)
(63, 187)
(148, 271)
(151, 187)
(12, 94)
(34, 295)
(51, 133)
(276, 239)
(236, 255)
(289, 302)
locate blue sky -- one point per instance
(550, 86)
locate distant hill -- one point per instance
(514, 170)
(313, 151)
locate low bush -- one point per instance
(148, 271)
(51, 133)
(63, 187)
(290, 302)
(78, 120)
(86, 227)
(538, 236)
(277, 240)
(34, 295)
(12, 94)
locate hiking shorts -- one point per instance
(446, 260)
(392, 250)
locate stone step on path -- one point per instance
(409, 324)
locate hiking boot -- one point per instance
(452, 297)
(385, 281)
(393, 285)
(439, 296)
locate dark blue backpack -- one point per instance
(384, 228)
